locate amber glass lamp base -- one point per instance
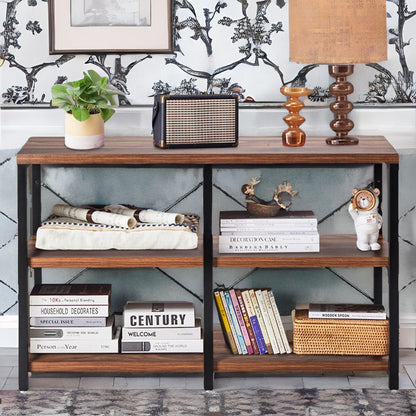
(294, 136)
(340, 89)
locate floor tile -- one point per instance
(8, 360)
(359, 382)
(407, 356)
(326, 383)
(411, 372)
(11, 384)
(53, 383)
(194, 383)
(95, 383)
(15, 372)
(136, 382)
(5, 371)
(172, 383)
(259, 382)
(405, 382)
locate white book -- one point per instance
(74, 346)
(144, 334)
(260, 319)
(267, 323)
(68, 310)
(273, 321)
(254, 322)
(92, 332)
(268, 247)
(163, 346)
(70, 294)
(346, 311)
(275, 238)
(64, 322)
(288, 235)
(159, 314)
(243, 218)
(279, 322)
(274, 228)
(230, 321)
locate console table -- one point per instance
(336, 251)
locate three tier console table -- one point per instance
(336, 251)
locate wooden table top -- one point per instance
(250, 151)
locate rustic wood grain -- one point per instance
(224, 362)
(336, 250)
(114, 258)
(250, 151)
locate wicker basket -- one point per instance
(339, 336)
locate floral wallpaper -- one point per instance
(234, 46)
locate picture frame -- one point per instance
(110, 26)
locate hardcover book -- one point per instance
(260, 319)
(151, 333)
(346, 311)
(70, 294)
(267, 322)
(265, 245)
(163, 346)
(234, 322)
(225, 323)
(243, 218)
(278, 318)
(40, 333)
(254, 322)
(159, 314)
(69, 311)
(273, 321)
(247, 321)
(65, 322)
(241, 321)
(72, 346)
(233, 331)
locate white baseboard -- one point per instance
(407, 331)
(9, 331)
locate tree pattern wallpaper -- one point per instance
(232, 47)
(235, 46)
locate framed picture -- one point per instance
(110, 26)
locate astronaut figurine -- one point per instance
(363, 209)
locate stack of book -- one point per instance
(290, 232)
(346, 311)
(161, 327)
(251, 321)
(72, 319)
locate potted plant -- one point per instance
(88, 104)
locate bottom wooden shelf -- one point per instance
(224, 362)
(134, 364)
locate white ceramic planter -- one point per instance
(84, 135)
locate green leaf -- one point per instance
(96, 78)
(106, 113)
(81, 114)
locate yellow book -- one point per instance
(224, 322)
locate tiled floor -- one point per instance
(9, 379)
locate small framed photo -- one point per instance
(110, 26)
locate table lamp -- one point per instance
(338, 33)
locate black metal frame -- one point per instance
(393, 272)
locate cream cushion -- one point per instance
(60, 233)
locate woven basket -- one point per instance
(339, 336)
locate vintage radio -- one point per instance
(195, 120)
